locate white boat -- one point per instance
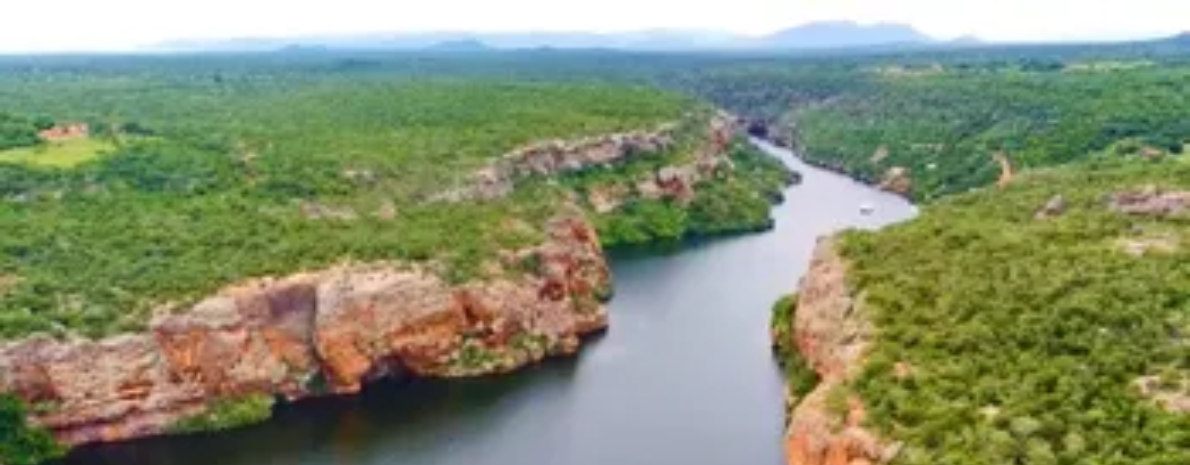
(867, 209)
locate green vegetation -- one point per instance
(475, 356)
(1026, 336)
(265, 169)
(743, 200)
(531, 344)
(19, 132)
(800, 378)
(945, 116)
(64, 154)
(20, 443)
(228, 414)
(734, 201)
(947, 127)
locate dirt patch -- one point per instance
(316, 211)
(1006, 172)
(607, 198)
(1141, 246)
(7, 282)
(1171, 391)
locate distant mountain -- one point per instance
(843, 34)
(810, 36)
(461, 45)
(967, 41)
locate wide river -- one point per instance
(684, 377)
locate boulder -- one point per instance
(1150, 201)
(897, 180)
(1053, 208)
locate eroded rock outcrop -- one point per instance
(897, 180)
(559, 157)
(832, 336)
(1151, 201)
(1053, 208)
(709, 155)
(314, 334)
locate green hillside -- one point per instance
(215, 175)
(947, 116)
(1029, 333)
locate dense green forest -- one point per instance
(946, 117)
(734, 203)
(1027, 333)
(245, 167)
(20, 444)
(18, 132)
(225, 188)
(217, 168)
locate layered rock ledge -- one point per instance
(832, 335)
(559, 157)
(313, 334)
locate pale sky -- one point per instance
(112, 25)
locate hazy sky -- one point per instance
(56, 25)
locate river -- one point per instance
(684, 377)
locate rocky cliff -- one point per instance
(832, 335)
(559, 157)
(312, 334)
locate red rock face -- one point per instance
(559, 156)
(313, 334)
(832, 335)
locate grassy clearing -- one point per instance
(64, 154)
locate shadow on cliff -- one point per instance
(344, 429)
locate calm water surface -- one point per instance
(684, 377)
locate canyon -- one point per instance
(329, 332)
(832, 336)
(632, 396)
(314, 334)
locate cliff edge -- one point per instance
(830, 335)
(311, 334)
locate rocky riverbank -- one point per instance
(825, 335)
(314, 334)
(225, 360)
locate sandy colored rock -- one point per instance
(897, 180)
(880, 155)
(608, 198)
(1053, 208)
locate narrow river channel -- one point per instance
(684, 377)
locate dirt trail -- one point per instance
(1006, 173)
